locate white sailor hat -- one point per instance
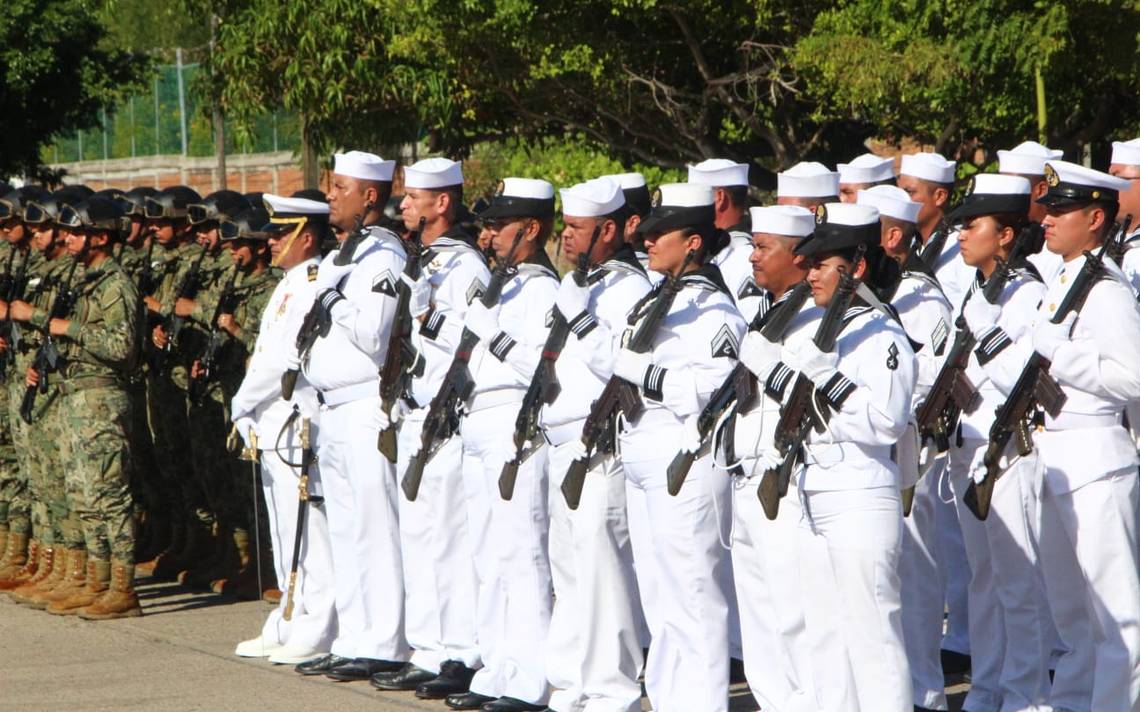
(1026, 159)
(719, 173)
(1126, 153)
(363, 165)
(1073, 184)
(677, 205)
(594, 198)
(990, 194)
(890, 201)
(521, 197)
(786, 220)
(282, 208)
(635, 190)
(433, 174)
(928, 166)
(867, 168)
(841, 226)
(807, 180)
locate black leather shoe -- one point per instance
(467, 701)
(954, 663)
(454, 677)
(408, 677)
(321, 665)
(361, 669)
(510, 704)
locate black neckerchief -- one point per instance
(933, 249)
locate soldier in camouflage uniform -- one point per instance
(237, 323)
(38, 438)
(98, 341)
(175, 253)
(21, 554)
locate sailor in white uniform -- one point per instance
(863, 172)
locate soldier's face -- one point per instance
(576, 235)
(74, 241)
(346, 200)
(163, 230)
(14, 231)
(137, 232)
(931, 195)
(849, 192)
(419, 203)
(42, 238)
(1130, 198)
(240, 252)
(824, 273)
(1072, 229)
(667, 250)
(208, 236)
(980, 239)
(775, 266)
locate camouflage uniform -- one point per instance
(98, 350)
(9, 465)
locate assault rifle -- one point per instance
(442, 415)
(401, 356)
(952, 393)
(1034, 388)
(544, 386)
(12, 285)
(620, 395)
(799, 415)
(47, 355)
(172, 323)
(208, 361)
(740, 387)
(316, 323)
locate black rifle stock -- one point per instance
(1034, 388)
(12, 286)
(619, 395)
(47, 356)
(952, 393)
(396, 371)
(544, 386)
(172, 323)
(316, 323)
(208, 361)
(740, 388)
(798, 417)
(457, 383)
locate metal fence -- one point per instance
(168, 120)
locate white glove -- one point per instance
(980, 315)
(690, 436)
(768, 459)
(572, 299)
(631, 366)
(329, 275)
(412, 429)
(420, 300)
(399, 410)
(1048, 337)
(576, 449)
(380, 420)
(978, 473)
(817, 365)
(759, 354)
(482, 322)
(244, 426)
(292, 360)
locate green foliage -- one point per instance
(57, 73)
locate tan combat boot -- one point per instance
(50, 573)
(241, 583)
(73, 580)
(98, 580)
(119, 601)
(175, 544)
(21, 561)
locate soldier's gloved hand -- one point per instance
(690, 435)
(758, 354)
(413, 428)
(380, 419)
(980, 315)
(1048, 337)
(398, 411)
(330, 274)
(632, 366)
(572, 299)
(576, 449)
(244, 425)
(420, 290)
(817, 365)
(482, 321)
(291, 360)
(768, 459)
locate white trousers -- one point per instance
(685, 580)
(360, 500)
(593, 655)
(921, 592)
(1089, 552)
(848, 545)
(512, 568)
(955, 569)
(1010, 632)
(313, 623)
(439, 569)
(766, 572)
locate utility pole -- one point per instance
(218, 119)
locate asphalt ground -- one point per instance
(179, 657)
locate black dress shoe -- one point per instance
(454, 677)
(361, 669)
(954, 663)
(467, 701)
(321, 665)
(510, 704)
(408, 677)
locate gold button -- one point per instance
(1052, 307)
(1064, 278)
